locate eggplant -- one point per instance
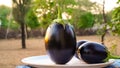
(60, 42)
(78, 44)
(93, 52)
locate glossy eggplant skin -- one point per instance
(60, 42)
(78, 44)
(92, 52)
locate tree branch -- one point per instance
(15, 1)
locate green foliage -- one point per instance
(46, 11)
(115, 25)
(86, 20)
(4, 14)
(6, 18)
(4, 23)
(77, 9)
(118, 1)
(103, 26)
(14, 25)
(116, 14)
(98, 18)
(31, 20)
(46, 20)
(4, 11)
(63, 3)
(81, 15)
(85, 5)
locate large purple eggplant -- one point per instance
(60, 42)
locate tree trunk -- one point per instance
(27, 32)
(104, 22)
(23, 37)
(104, 15)
(103, 37)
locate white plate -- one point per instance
(45, 62)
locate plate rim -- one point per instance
(64, 65)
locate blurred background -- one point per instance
(89, 17)
(23, 24)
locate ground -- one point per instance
(11, 52)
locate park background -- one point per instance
(23, 24)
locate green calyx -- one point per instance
(110, 56)
(60, 21)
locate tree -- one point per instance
(105, 23)
(20, 8)
(108, 24)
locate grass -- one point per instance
(11, 52)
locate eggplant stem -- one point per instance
(110, 56)
(59, 12)
(59, 16)
(113, 56)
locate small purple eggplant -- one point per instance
(93, 52)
